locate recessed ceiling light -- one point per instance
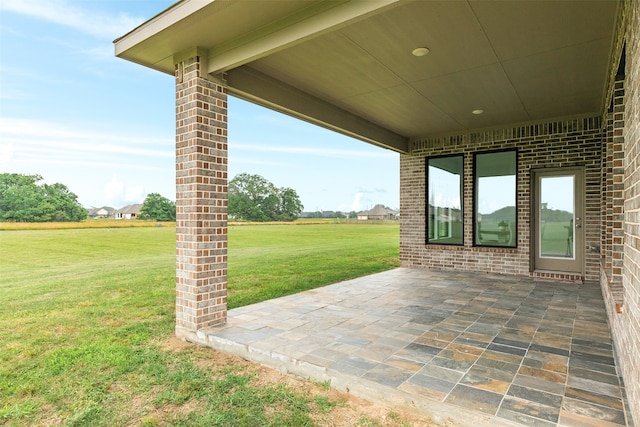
(477, 112)
(420, 51)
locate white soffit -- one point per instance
(235, 32)
(347, 65)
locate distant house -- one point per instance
(379, 212)
(100, 213)
(128, 212)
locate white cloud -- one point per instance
(134, 194)
(78, 162)
(40, 128)
(114, 188)
(49, 142)
(98, 24)
(119, 194)
(356, 204)
(52, 145)
(6, 153)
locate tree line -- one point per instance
(254, 198)
(25, 198)
(157, 208)
(250, 198)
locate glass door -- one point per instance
(558, 238)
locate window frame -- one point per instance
(475, 201)
(462, 186)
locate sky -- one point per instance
(73, 113)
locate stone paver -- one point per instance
(469, 348)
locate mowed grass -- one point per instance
(86, 316)
(267, 262)
(89, 223)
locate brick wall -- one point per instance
(201, 199)
(613, 188)
(612, 200)
(576, 142)
(625, 326)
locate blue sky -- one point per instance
(73, 113)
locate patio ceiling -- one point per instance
(348, 66)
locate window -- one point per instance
(444, 200)
(494, 210)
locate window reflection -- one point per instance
(495, 199)
(444, 205)
(556, 215)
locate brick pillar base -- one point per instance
(201, 199)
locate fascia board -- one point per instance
(160, 22)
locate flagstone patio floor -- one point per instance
(461, 348)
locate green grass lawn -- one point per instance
(271, 261)
(555, 236)
(85, 316)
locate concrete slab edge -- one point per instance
(441, 413)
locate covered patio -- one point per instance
(461, 348)
(526, 94)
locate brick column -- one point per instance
(201, 198)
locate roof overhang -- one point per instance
(348, 66)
